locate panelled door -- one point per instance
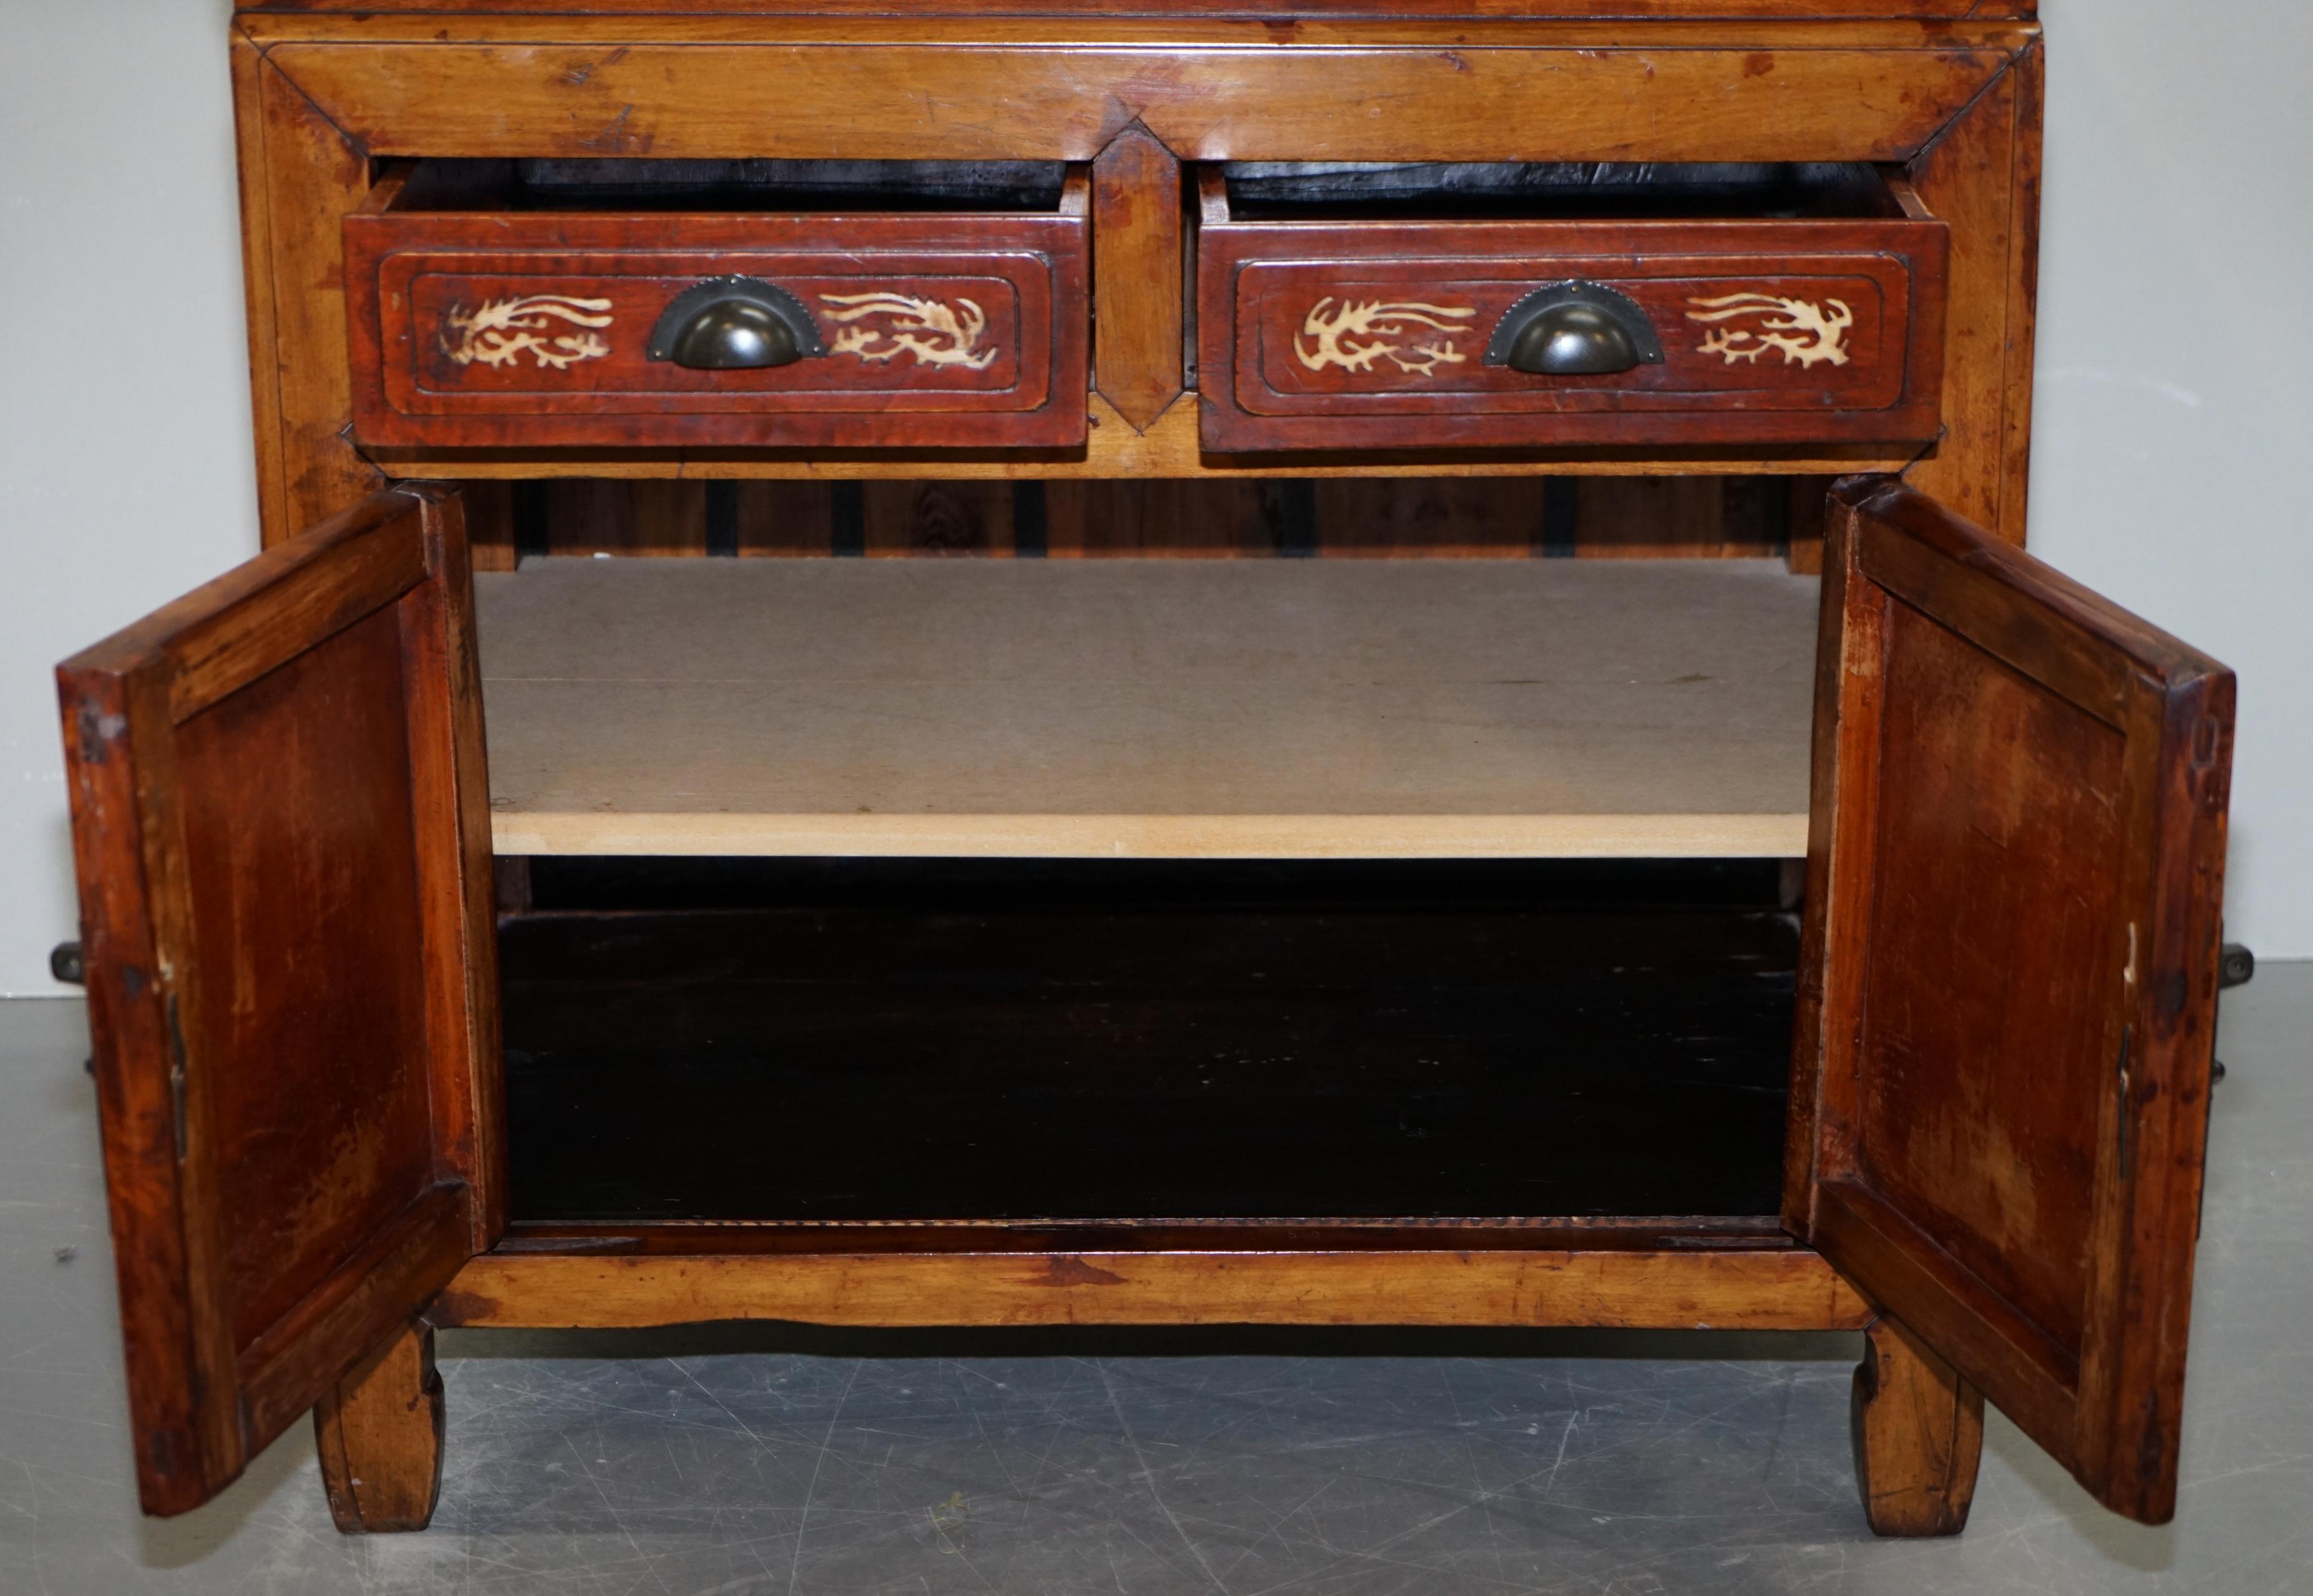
(2000, 1090)
(282, 828)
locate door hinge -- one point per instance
(2127, 1036)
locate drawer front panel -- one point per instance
(1321, 336)
(501, 335)
(538, 331)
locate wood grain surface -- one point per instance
(298, 170)
(1139, 297)
(1005, 297)
(1982, 175)
(377, 1435)
(1918, 1430)
(1114, 449)
(276, 787)
(2003, 1053)
(1734, 81)
(274, 13)
(1672, 1290)
(899, 90)
(1269, 291)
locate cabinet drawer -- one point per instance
(1330, 325)
(487, 313)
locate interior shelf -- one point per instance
(1149, 708)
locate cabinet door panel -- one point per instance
(2008, 993)
(281, 820)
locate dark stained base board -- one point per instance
(824, 1040)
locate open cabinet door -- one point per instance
(282, 828)
(2001, 1092)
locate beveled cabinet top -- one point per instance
(1791, 10)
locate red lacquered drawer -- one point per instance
(923, 327)
(1339, 333)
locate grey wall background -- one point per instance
(2174, 399)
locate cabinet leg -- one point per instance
(1919, 1435)
(378, 1434)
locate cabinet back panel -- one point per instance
(1505, 517)
(1091, 1042)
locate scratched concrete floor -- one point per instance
(760, 1458)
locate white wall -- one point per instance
(2173, 377)
(2174, 410)
(125, 474)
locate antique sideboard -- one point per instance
(1490, 754)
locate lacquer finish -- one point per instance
(540, 329)
(1383, 334)
(2007, 1007)
(278, 810)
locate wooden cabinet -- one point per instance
(1150, 940)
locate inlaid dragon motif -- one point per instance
(932, 331)
(506, 329)
(1808, 334)
(1352, 335)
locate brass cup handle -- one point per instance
(733, 324)
(1575, 330)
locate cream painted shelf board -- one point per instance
(1149, 708)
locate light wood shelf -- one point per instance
(1149, 708)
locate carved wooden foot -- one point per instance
(380, 1437)
(1919, 1435)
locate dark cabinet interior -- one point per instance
(1490, 1042)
